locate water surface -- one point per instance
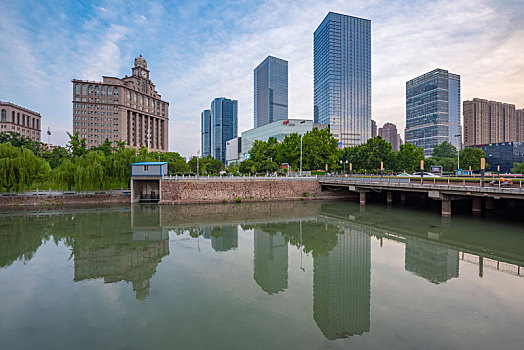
(314, 275)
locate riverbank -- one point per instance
(63, 200)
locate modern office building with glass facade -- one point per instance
(342, 77)
(433, 110)
(205, 127)
(224, 124)
(270, 91)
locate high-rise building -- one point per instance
(373, 128)
(433, 110)
(224, 123)
(205, 126)
(342, 286)
(224, 238)
(128, 109)
(270, 91)
(491, 122)
(20, 120)
(389, 133)
(342, 77)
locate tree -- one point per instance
(214, 166)
(444, 150)
(518, 168)
(19, 167)
(247, 167)
(471, 157)
(409, 157)
(319, 148)
(267, 166)
(65, 174)
(76, 146)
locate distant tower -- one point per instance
(205, 126)
(433, 110)
(224, 124)
(270, 91)
(342, 77)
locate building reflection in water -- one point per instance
(125, 256)
(341, 286)
(224, 238)
(270, 261)
(435, 263)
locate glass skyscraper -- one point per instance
(342, 77)
(433, 110)
(205, 126)
(224, 124)
(270, 91)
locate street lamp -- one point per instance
(300, 154)
(198, 172)
(458, 151)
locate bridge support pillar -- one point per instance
(362, 198)
(446, 207)
(403, 197)
(390, 198)
(477, 205)
(490, 203)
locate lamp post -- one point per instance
(344, 165)
(350, 168)
(458, 151)
(300, 154)
(482, 170)
(198, 172)
(422, 171)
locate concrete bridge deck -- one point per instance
(435, 188)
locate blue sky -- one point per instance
(198, 50)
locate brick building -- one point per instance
(20, 120)
(128, 109)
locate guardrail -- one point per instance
(437, 184)
(54, 193)
(230, 177)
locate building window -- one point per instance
(84, 92)
(38, 124)
(103, 90)
(115, 91)
(90, 90)
(146, 167)
(13, 117)
(109, 91)
(96, 90)
(18, 118)
(33, 123)
(4, 115)
(77, 89)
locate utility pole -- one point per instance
(458, 151)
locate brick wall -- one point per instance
(218, 190)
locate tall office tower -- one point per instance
(489, 122)
(128, 109)
(270, 91)
(389, 133)
(341, 286)
(224, 123)
(224, 238)
(342, 77)
(373, 128)
(270, 261)
(205, 127)
(433, 110)
(21, 120)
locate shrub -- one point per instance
(238, 200)
(305, 194)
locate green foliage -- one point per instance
(19, 167)
(238, 200)
(444, 150)
(471, 157)
(247, 167)
(408, 158)
(518, 168)
(305, 194)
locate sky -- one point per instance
(198, 50)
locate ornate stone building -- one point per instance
(128, 109)
(20, 120)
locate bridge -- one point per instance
(444, 189)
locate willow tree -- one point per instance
(19, 167)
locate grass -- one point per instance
(238, 200)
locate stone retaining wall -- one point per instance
(76, 199)
(220, 190)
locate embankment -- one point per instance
(184, 191)
(63, 200)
